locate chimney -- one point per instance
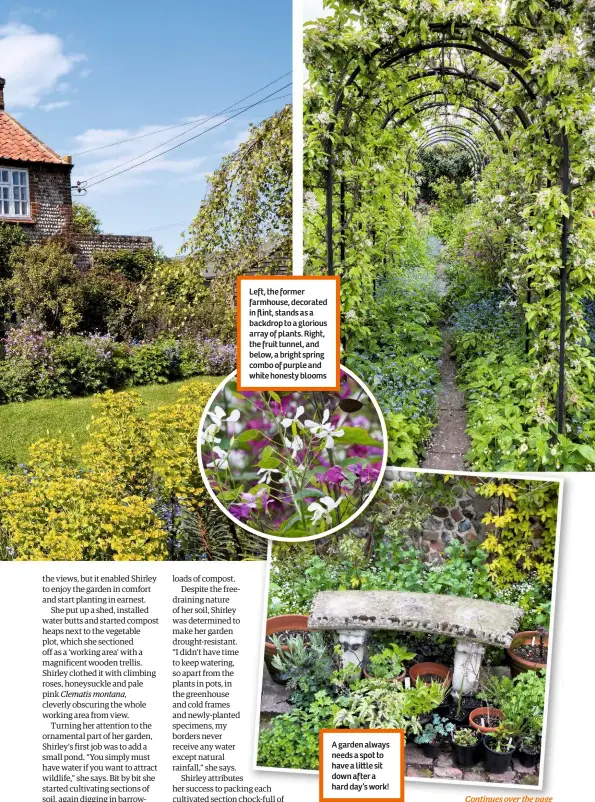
(2, 83)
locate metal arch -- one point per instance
(459, 129)
(476, 123)
(463, 44)
(479, 112)
(469, 76)
(435, 92)
(512, 65)
(454, 138)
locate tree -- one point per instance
(244, 222)
(85, 219)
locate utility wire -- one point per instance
(199, 120)
(86, 185)
(173, 138)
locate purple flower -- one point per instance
(241, 511)
(334, 476)
(367, 474)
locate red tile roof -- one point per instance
(19, 144)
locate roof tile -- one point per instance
(19, 144)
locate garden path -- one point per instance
(450, 441)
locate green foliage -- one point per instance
(465, 736)
(523, 531)
(522, 700)
(443, 160)
(452, 199)
(308, 667)
(45, 285)
(390, 662)
(134, 265)
(436, 730)
(381, 704)
(138, 478)
(11, 236)
(291, 740)
(85, 219)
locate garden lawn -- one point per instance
(21, 424)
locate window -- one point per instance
(14, 193)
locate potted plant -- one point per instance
(528, 651)
(486, 719)
(282, 626)
(465, 742)
(529, 749)
(499, 747)
(431, 672)
(389, 663)
(435, 733)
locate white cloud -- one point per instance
(56, 104)
(33, 64)
(235, 142)
(129, 154)
(312, 9)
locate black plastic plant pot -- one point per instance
(529, 759)
(495, 762)
(466, 755)
(431, 750)
(458, 719)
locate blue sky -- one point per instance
(81, 75)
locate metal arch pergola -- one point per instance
(488, 44)
(446, 138)
(459, 135)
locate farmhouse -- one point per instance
(35, 192)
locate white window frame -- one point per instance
(14, 193)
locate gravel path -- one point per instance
(449, 442)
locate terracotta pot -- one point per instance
(419, 669)
(476, 715)
(283, 623)
(518, 664)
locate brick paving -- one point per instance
(444, 768)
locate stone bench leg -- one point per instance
(353, 643)
(468, 657)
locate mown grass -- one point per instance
(21, 424)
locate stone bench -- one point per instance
(473, 623)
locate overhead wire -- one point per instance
(85, 184)
(198, 120)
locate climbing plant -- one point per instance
(511, 84)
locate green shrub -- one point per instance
(151, 364)
(45, 285)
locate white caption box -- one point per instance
(288, 333)
(362, 764)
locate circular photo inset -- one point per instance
(292, 465)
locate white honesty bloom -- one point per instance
(219, 416)
(286, 422)
(221, 460)
(295, 445)
(324, 430)
(209, 435)
(323, 508)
